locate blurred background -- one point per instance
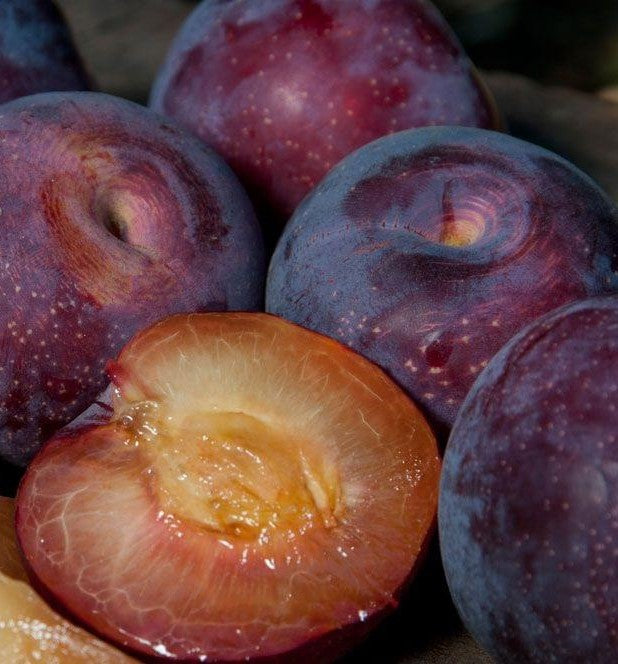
(561, 42)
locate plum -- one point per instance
(284, 89)
(528, 511)
(29, 630)
(255, 490)
(111, 218)
(426, 251)
(36, 51)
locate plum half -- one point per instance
(37, 53)
(255, 489)
(30, 631)
(528, 513)
(426, 251)
(284, 89)
(110, 219)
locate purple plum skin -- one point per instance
(528, 514)
(284, 89)
(427, 250)
(36, 51)
(122, 219)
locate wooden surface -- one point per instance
(123, 43)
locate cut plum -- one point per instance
(258, 489)
(29, 630)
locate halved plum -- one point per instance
(258, 489)
(29, 630)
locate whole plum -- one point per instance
(120, 219)
(427, 250)
(528, 514)
(284, 89)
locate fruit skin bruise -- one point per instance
(310, 587)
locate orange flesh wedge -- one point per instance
(30, 631)
(258, 486)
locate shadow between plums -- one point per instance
(424, 629)
(9, 479)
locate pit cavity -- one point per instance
(232, 473)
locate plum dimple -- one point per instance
(529, 494)
(447, 198)
(234, 501)
(428, 250)
(121, 220)
(286, 89)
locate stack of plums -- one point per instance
(200, 481)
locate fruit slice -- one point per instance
(258, 486)
(29, 630)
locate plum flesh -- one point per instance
(122, 218)
(284, 89)
(528, 511)
(426, 251)
(30, 631)
(36, 51)
(257, 490)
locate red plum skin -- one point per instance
(528, 512)
(111, 218)
(427, 250)
(284, 89)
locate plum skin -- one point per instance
(123, 219)
(528, 508)
(427, 250)
(36, 51)
(284, 89)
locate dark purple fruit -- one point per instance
(528, 510)
(427, 250)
